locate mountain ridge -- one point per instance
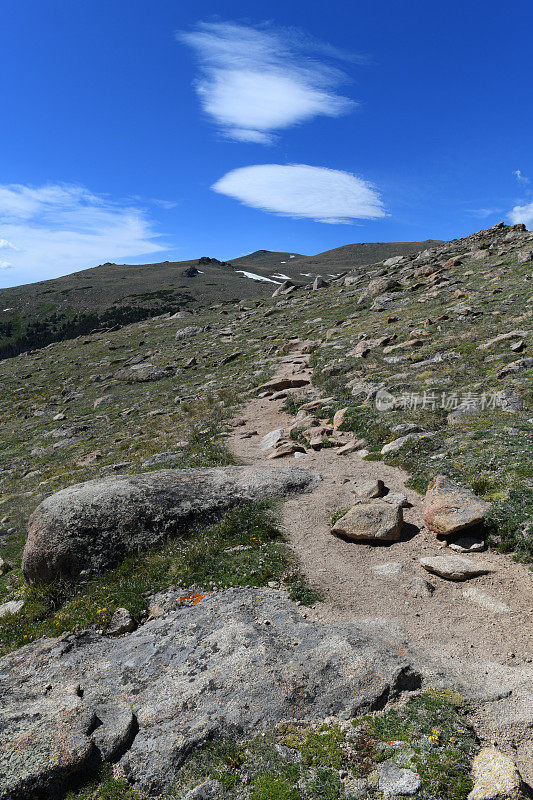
(36, 314)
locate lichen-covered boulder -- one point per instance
(94, 525)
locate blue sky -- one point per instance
(135, 131)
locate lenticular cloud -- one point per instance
(254, 82)
(304, 192)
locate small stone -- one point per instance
(189, 332)
(105, 400)
(11, 607)
(397, 444)
(495, 776)
(371, 520)
(397, 499)
(485, 601)
(339, 417)
(208, 790)
(391, 569)
(284, 382)
(121, 622)
(351, 447)
(515, 367)
(271, 439)
(5, 566)
(468, 544)
(455, 568)
(139, 373)
(418, 587)
(395, 782)
(286, 449)
(371, 489)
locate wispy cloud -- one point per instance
(482, 213)
(522, 214)
(302, 191)
(520, 177)
(50, 230)
(259, 80)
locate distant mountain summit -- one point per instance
(117, 294)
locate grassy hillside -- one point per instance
(37, 314)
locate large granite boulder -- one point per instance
(94, 525)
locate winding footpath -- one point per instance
(481, 627)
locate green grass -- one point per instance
(428, 734)
(244, 548)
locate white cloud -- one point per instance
(51, 230)
(256, 81)
(520, 177)
(302, 191)
(522, 214)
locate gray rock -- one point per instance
(139, 373)
(511, 401)
(371, 520)
(105, 400)
(121, 622)
(455, 568)
(391, 569)
(93, 525)
(271, 439)
(397, 499)
(371, 489)
(418, 587)
(207, 790)
(236, 663)
(284, 382)
(287, 449)
(397, 444)
(468, 544)
(11, 607)
(189, 332)
(463, 411)
(515, 367)
(320, 283)
(377, 287)
(395, 782)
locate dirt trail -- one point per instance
(445, 624)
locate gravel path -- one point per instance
(447, 624)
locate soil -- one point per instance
(456, 629)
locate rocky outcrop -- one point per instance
(188, 333)
(236, 662)
(139, 373)
(93, 525)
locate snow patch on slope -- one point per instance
(255, 277)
